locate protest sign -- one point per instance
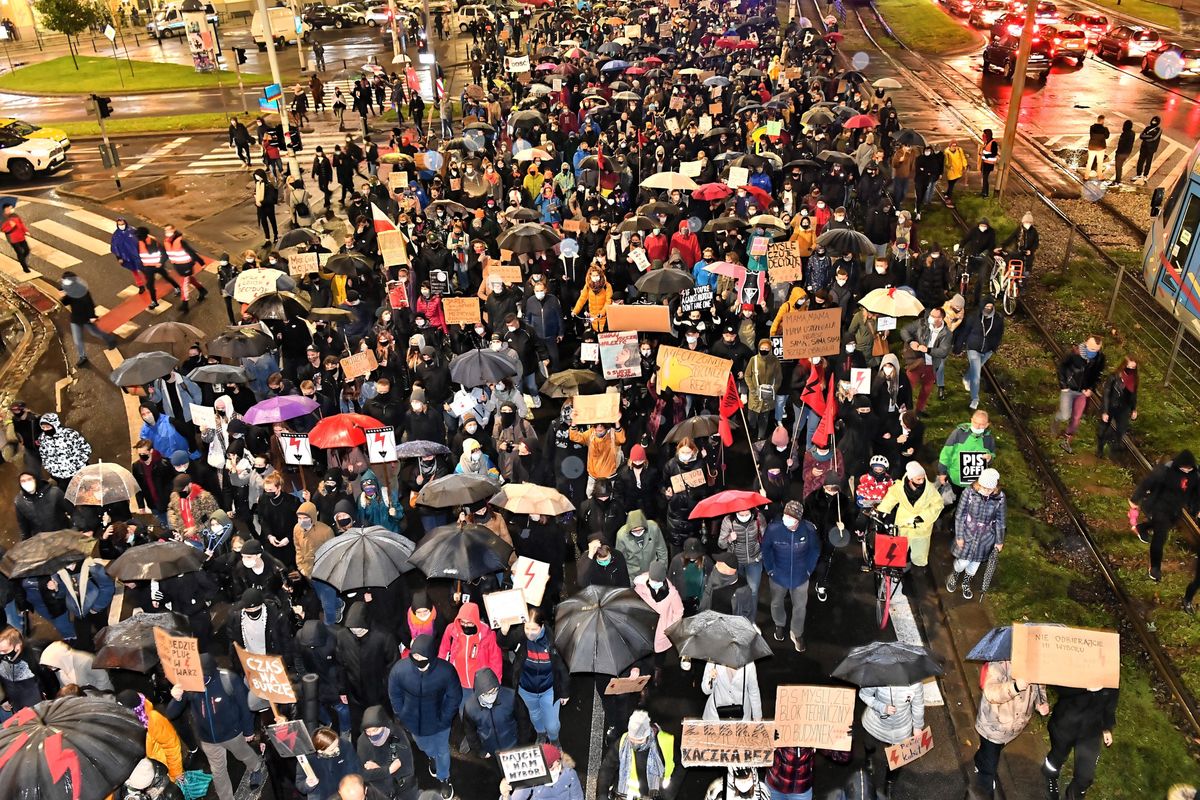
(203, 416)
(885, 324)
(301, 264)
(638, 256)
(691, 169)
(461, 310)
(692, 479)
(180, 657)
(759, 245)
(860, 380)
(381, 444)
(777, 347)
(256, 282)
(784, 263)
(506, 608)
(705, 123)
(358, 364)
(296, 449)
(910, 749)
(516, 63)
(439, 281)
(697, 299)
(392, 248)
(639, 318)
(524, 767)
(812, 333)
(672, 127)
(627, 685)
(775, 127)
(1061, 656)
(397, 179)
(589, 352)
(619, 355)
(738, 176)
(290, 739)
(593, 408)
(505, 273)
(530, 577)
(676, 104)
(574, 225)
(633, 32)
(267, 675)
(727, 744)
(814, 716)
(397, 295)
(715, 109)
(692, 372)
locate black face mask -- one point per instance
(144, 456)
(10, 657)
(507, 417)
(468, 629)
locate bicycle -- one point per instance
(962, 263)
(1007, 276)
(889, 562)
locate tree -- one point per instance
(70, 17)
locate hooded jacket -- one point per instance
(469, 653)
(162, 742)
(1168, 491)
(364, 663)
(75, 666)
(308, 542)
(595, 297)
(794, 296)
(425, 701)
(500, 726)
(687, 244)
(669, 609)
(63, 450)
(161, 434)
(220, 711)
(329, 770)
(641, 551)
(44, 509)
(396, 747)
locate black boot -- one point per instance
(1074, 793)
(1051, 781)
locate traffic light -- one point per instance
(103, 105)
(240, 52)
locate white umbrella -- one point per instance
(670, 180)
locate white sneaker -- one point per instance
(974, 404)
(966, 385)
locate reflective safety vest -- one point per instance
(151, 259)
(666, 746)
(176, 253)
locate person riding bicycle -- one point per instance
(874, 483)
(1023, 244)
(977, 247)
(914, 504)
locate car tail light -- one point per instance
(1057, 40)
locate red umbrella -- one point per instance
(652, 60)
(727, 43)
(727, 502)
(342, 430)
(746, 44)
(712, 191)
(860, 121)
(760, 195)
(636, 70)
(834, 37)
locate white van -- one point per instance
(472, 13)
(283, 28)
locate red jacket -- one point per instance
(469, 654)
(432, 309)
(687, 244)
(658, 247)
(14, 228)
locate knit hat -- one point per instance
(428, 351)
(417, 396)
(657, 571)
(989, 478)
(551, 754)
(637, 454)
(639, 725)
(728, 559)
(779, 437)
(958, 303)
(832, 478)
(794, 508)
(181, 482)
(913, 470)
(179, 458)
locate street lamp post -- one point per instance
(269, 38)
(395, 30)
(1014, 101)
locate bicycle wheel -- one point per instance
(883, 600)
(997, 283)
(1010, 298)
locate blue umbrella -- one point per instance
(616, 65)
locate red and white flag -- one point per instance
(381, 220)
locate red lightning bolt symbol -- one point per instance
(287, 737)
(529, 573)
(379, 438)
(62, 761)
(294, 443)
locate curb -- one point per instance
(111, 93)
(145, 134)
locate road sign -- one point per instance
(110, 33)
(268, 105)
(273, 91)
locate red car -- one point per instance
(1095, 25)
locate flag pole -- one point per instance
(746, 427)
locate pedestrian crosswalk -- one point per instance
(1071, 151)
(223, 159)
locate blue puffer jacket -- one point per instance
(426, 702)
(790, 557)
(221, 711)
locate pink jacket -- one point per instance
(469, 654)
(670, 610)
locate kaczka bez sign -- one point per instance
(727, 744)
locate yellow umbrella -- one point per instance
(530, 498)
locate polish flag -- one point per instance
(382, 223)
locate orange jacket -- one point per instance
(162, 743)
(597, 297)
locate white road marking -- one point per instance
(77, 238)
(12, 269)
(51, 255)
(97, 221)
(156, 154)
(595, 744)
(906, 630)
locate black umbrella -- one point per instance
(844, 240)
(297, 237)
(240, 341)
(887, 664)
(330, 314)
(696, 427)
(604, 629)
(635, 224)
(834, 157)
(219, 373)
(155, 561)
(461, 552)
(572, 382)
(909, 137)
(665, 281)
(459, 489)
(74, 748)
(658, 207)
(528, 237)
(46, 553)
(416, 448)
(479, 367)
(725, 639)
(804, 163)
(347, 264)
(728, 223)
(522, 215)
(361, 558)
(129, 644)
(279, 306)
(143, 368)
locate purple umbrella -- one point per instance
(279, 409)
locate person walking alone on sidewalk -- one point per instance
(1161, 499)
(83, 315)
(1150, 138)
(266, 196)
(15, 230)
(240, 138)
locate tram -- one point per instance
(1171, 258)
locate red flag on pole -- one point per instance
(825, 429)
(731, 401)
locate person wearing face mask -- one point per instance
(564, 781)
(739, 534)
(425, 420)
(790, 550)
(63, 450)
(309, 534)
(495, 718)
(508, 433)
(1079, 373)
(1118, 405)
(601, 565)
(386, 756)
(596, 296)
(256, 569)
(890, 392)
(929, 166)
(274, 519)
(190, 506)
(980, 523)
(980, 335)
(426, 695)
(978, 245)
(544, 315)
(470, 646)
(330, 492)
(682, 493)
(258, 624)
(375, 507)
(641, 763)
(653, 587)
(603, 444)
(474, 461)
(968, 450)
(927, 342)
(797, 302)
(364, 654)
(914, 505)
(641, 542)
(41, 506)
(334, 759)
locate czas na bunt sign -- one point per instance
(524, 767)
(727, 744)
(381, 444)
(267, 676)
(296, 449)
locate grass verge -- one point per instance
(1157, 13)
(177, 122)
(926, 27)
(95, 74)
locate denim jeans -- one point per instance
(543, 711)
(437, 747)
(752, 572)
(331, 604)
(807, 422)
(77, 335)
(1071, 405)
(975, 362)
(778, 795)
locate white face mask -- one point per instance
(540, 295)
(28, 486)
(841, 281)
(977, 431)
(687, 456)
(744, 516)
(790, 522)
(850, 347)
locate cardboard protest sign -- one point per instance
(461, 310)
(860, 380)
(381, 444)
(814, 716)
(676, 103)
(692, 372)
(812, 333)
(203, 416)
(691, 169)
(697, 299)
(777, 347)
(255, 282)
(574, 225)
(619, 355)
(639, 318)
(727, 744)
(705, 123)
(302, 264)
(180, 657)
(639, 258)
(738, 176)
(1061, 656)
(524, 767)
(516, 63)
(627, 685)
(392, 248)
(358, 364)
(397, 295)
(530, 577)
(505, 273)
(267, 676)
(296, 449)
(397, 179)
(593, 408)
(506, 608)
(291, 739)
(633, 32)
(715, 109)
(759, 245)
(910, 749)
(784, 264)
(673, 128)
(692, 479)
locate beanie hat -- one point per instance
(779, 437)
(914, 470)
(637, 453)
(179, 458)
(551, 754)
(989, 478)
(794, 508)
(252, 547)
(657, 571)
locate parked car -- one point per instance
(1096, 25)
(1067, 42)
(320, 17)
(1189, 60)
(355, 13)
(986, 12)
(1127, 42)
(472, 13)
(1001, 56)
(168, 21)
(959, 8)
(378, 15)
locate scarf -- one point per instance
(140, 711)
(1129, 380)
(416, 627)
(185, 508)
(654, 764)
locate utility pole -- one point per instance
(1008, 143)
(395, 30)
(108, 154)
(299, 36)
(269, 37)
